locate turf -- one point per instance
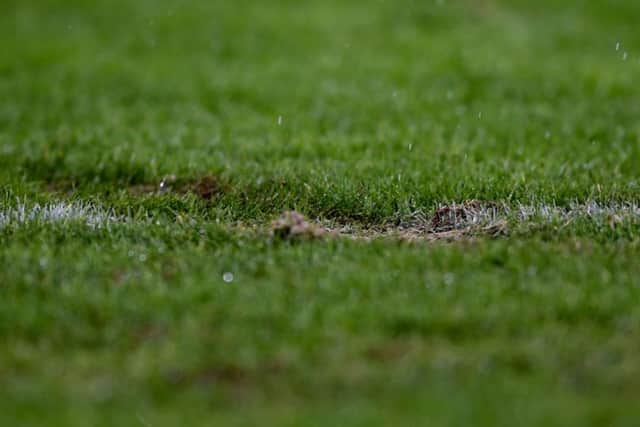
(355, 113)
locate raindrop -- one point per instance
(227, 277)
(448, 279)
(166, 181)
(480, 115)
(142, 258)
(617, 46)
(410, 146)
(279, 120)
(547, 135)
(625, 56)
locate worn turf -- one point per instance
(473, 167)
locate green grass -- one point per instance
(352, 112)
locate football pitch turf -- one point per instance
(314, 213)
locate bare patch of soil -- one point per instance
(448, 223)
(423, 234)
(206, 187)
(293, 225)
(460, 216)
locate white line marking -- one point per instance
(58, 212)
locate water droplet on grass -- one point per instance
(166, 182)
(448, 279)
(227, 277)
(279, 120)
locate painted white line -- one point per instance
(24, 213)
(482, 213)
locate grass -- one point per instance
(113, 305)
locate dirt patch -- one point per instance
(206, 187)
(496, 229)
(293, 225)
(461, 216)
(423, 234)
(448, 223)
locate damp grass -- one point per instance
(335, 113)
(145, 147)
(170, 322)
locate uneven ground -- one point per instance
(469, 172)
